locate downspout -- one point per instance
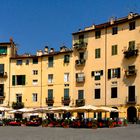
(41, 84)
(9, 82)
(105, 66)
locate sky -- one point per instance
(34, 24)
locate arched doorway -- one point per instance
(131, 114)
(114, 115)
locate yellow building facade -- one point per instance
(101, 69)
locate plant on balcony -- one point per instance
(17, 105)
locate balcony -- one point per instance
(80, 79)
(80, 102)
(80, 45)
(80, 62)
(130, 72)
(130, 53)
(65, 101)
(131, 100)
(2, 96)
(3, 74)
(50, 101)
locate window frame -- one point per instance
(97, 93)
(114, 30)
(114, 50)
(114, 92)
(132, 25)
(97, 53)
(34, 97)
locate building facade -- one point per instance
(101, 69)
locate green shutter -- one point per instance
(13, 80)
(23, 79)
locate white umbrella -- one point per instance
(107, 109)
(86, 108)
(61, 109)
(40, 110)
(4, 108)
(22, 110)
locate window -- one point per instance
(97, 34)
(66, 93)
(81, 38)
(114, 92)
(66, 58)
(114, 49)
(114, 73)
(97, 74)
(50, 63)
(35, 60)
(97, 53)
(34, 97)
(66, 77)
(50, 78)
(18, 80)
(35, 82)
(132, 25)
(1, 69)
(81, 55)
(131, 45)
(1, 101)
(50, 94)
(19, 62)
(1, 90)
(80, 77)
(35, 72)
(131, 94)
(80, 94)
(3, 50)
(97, 93)
(27, 62)
(19, 98)
(114, 30)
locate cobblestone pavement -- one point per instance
(131, 132)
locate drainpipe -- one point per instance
(41, 84)
(105, 69)
(8, 104)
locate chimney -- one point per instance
(51, 50)
(112, 20)
(63, 48)
(39, 53)
(130, 15)
(46, 50)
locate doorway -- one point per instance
(131, 114)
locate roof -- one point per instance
(108, 24)
(43, 55)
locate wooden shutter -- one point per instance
(101, 72)
(13, 80)
(119, 73)
(92, 73)
(23, 79)
(109, 73)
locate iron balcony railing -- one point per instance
(80, 62)
(131, 100)
(80, 45)
(80, 102)
(130, 53)
(65, 100)
(130, 72)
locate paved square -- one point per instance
(132, 132)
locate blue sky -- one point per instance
(34, 24)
